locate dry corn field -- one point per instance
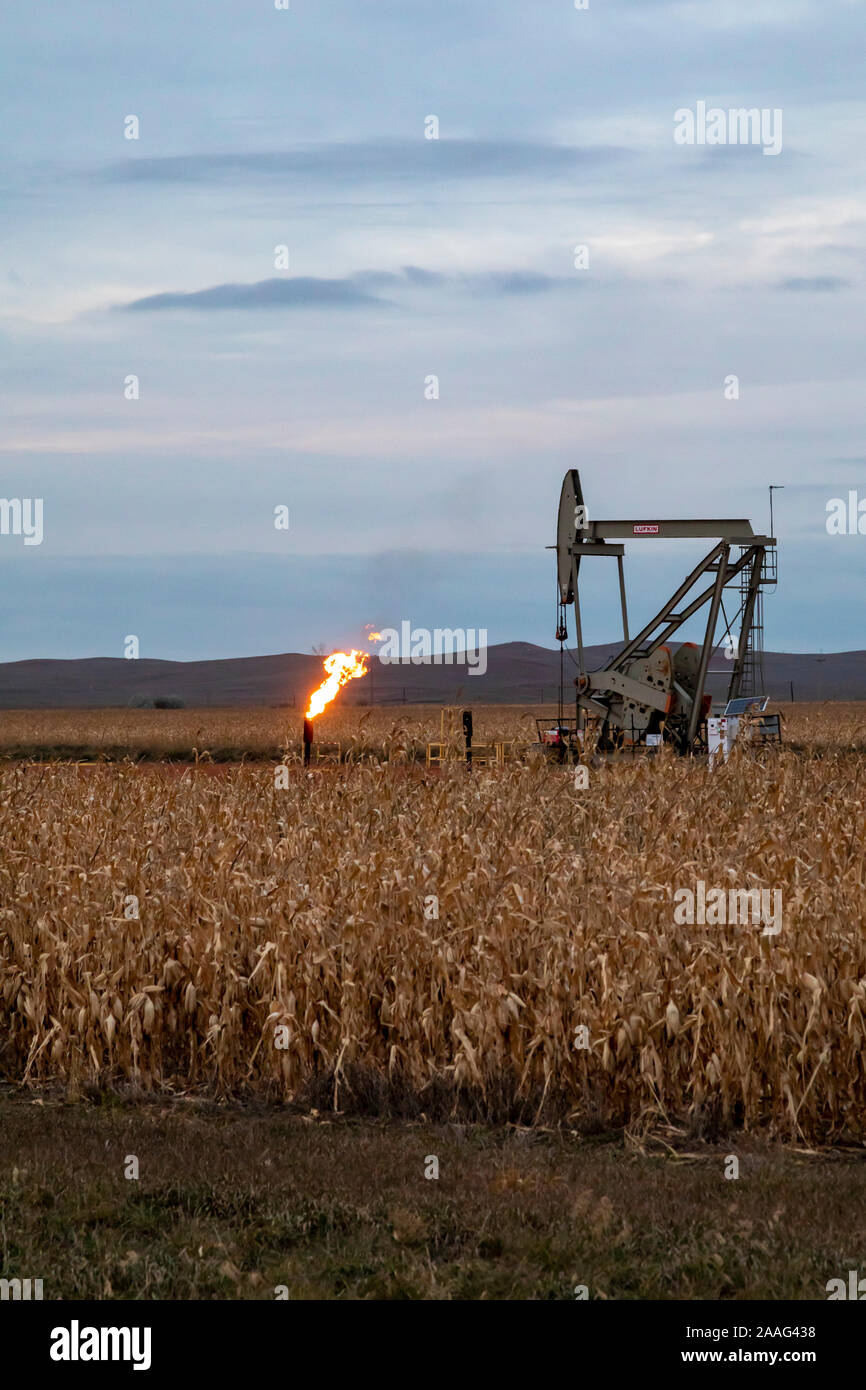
(236, 733)
(398, 731)
(287, 944)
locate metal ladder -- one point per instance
(752, 681)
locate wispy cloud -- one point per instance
(353, 290)
(362, 161)
(814, 284)
(303, 292)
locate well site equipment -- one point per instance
(650, 692)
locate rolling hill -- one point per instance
(517, 672)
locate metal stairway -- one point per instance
(752, 680)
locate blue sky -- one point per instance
(408, 258)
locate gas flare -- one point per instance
(341, 667)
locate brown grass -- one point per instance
(305, 907)
(235, 733)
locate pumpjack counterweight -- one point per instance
(649, 687)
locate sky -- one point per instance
(169, 377)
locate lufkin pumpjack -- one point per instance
(649, 688)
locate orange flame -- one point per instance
(375, 637)
(341, 667)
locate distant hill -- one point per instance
(517, 672)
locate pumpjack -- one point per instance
(651, 691)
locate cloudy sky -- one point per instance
(261, 385)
